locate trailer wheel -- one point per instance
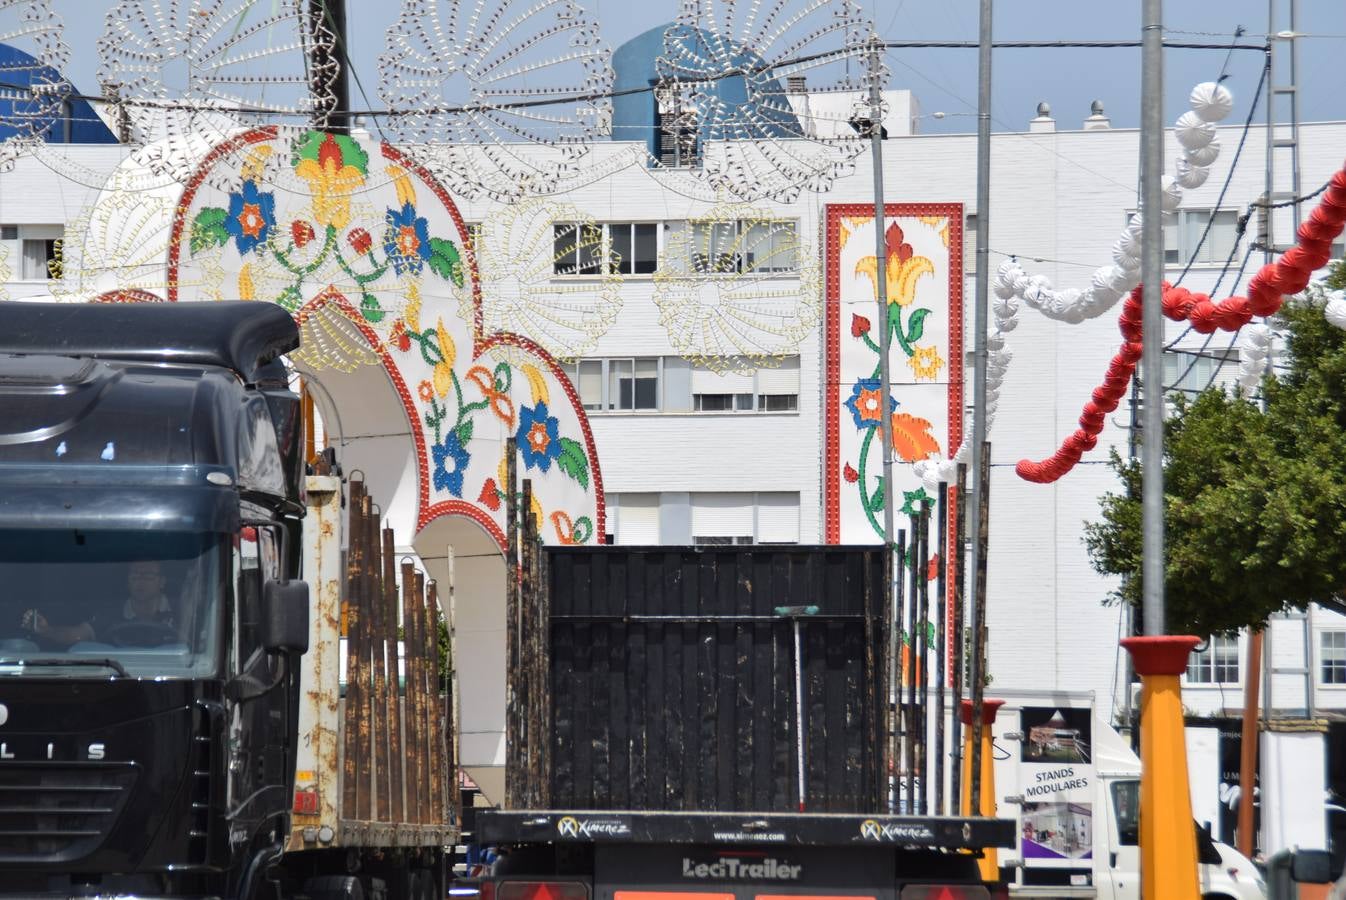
(334, 887)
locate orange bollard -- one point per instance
(1167, 836)
(989, 864)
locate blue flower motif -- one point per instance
(407, 241)
(538, 438)
(252, 216)
(450, 463)
(866, 402)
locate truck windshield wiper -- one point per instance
(69, 661)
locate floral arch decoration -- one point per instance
(357, 240)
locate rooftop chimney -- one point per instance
(1044, 121)
(1097, 121)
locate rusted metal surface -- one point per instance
(978, 686)
(514, 770)
(393, 699)
(355, 742)
(956, 683)
(401, 799)
(318, 753)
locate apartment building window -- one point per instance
(1189, 373)
(737, 246)
(735, 518)
(578, 248)
(35, 250)
(629, 384)
(1332, 656)
(1183, 235)
(1218, 663)
(633, 247)
(765, 389)
(622, 248)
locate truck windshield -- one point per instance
(147, 600)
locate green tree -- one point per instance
(1255, 500)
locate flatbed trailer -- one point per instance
(710, 723)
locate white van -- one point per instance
(1073, 783)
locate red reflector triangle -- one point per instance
(543, 892)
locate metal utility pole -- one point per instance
(329, 79)
(875, 65)
(1152, 319)
(976, 563)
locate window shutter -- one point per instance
(778, 518)
(783, 379)
(637, 518)
(704, 381)
(721, 515)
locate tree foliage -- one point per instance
(1255, 500)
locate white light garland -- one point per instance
(1195, 132)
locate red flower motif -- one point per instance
(859, 325)
(399, 337)
(360, 240)
(490, 495)
(932, 570)
(850, 474)
(302, 232)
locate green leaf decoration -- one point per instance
(290, 298)
(370, 309)
(208, 230)
(916, 325)
(584, 529)
(573, 461)
(445, 260)
(464, 432)
(310, 145)
(875, 501)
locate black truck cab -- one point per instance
(151, 613)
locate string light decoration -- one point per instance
(736, 288)
(34, 94)
(734, 103)
(471, 81)
(521, 250)
(189, 74)
(119, 243)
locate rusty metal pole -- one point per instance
(416, 772)
(512, 748)
(379, 648)
(959, 633)
(1248, 745)
(977, 669)
(393, 700)
(434, 707)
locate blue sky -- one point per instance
(946, 80)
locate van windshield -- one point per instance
(147, 600)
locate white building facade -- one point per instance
(691, 453)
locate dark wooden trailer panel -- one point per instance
(672, 680)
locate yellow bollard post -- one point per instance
(1167, 833)
(989, 864)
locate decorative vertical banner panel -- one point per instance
(371, 256)
(924, 272)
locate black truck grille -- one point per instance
(51, 812)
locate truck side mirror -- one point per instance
(285, 626)
(1311, 867)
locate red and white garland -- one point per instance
(1266, 292)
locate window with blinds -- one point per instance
(635, 518)
(724, 518)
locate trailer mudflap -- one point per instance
(738, 829)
